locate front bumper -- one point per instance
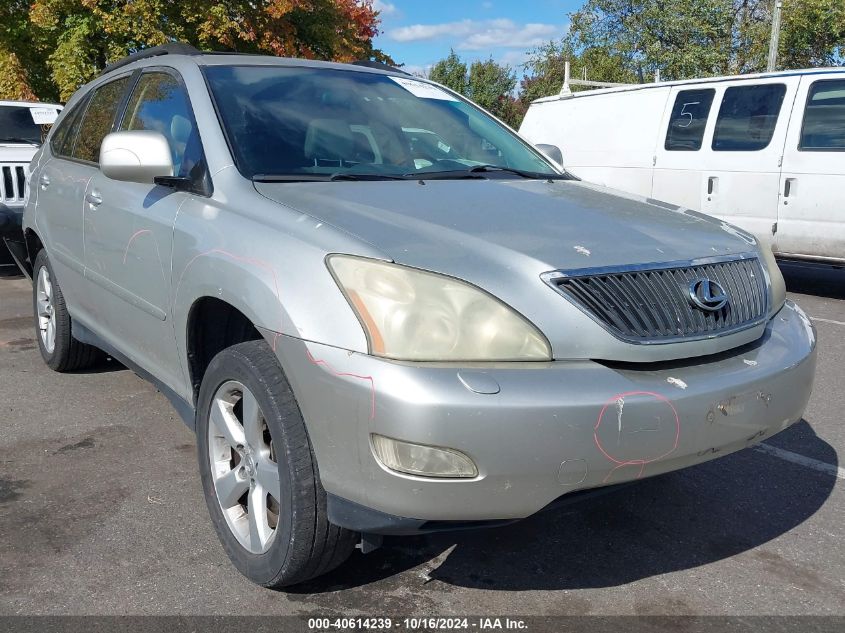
(550, 429)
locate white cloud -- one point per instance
(384, 8)
(487, 5)
(480, 34)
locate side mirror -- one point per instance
(551, 151)
(136, 156)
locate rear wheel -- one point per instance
(58, 348)
(259, 473)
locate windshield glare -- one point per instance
(315, 121)
(17, 125)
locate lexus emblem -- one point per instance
(707, 295)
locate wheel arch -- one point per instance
(212, 325)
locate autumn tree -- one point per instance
(62, 44)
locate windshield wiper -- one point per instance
(19, 139)
(348, 176)
(290, 178)
(519, 172)
(323, 177)
(478, 170)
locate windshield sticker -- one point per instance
(423, 90)
(43, 116)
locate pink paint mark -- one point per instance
(136, 234)
(635, 462)
(247, 260)
(343, 373)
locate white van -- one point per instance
(765, 152)
(23, 126)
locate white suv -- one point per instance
(23, 126)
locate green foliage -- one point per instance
(694, 38)
(451, 72)
(490, 85)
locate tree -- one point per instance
(491, 85)
(64, 43)
(544, 70)
(451, 72)
(693, 38)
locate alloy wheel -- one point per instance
(243, 466)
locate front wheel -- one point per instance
(259, 473)
(58, 348)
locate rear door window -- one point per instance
(98, 119)
(824, 118)
(747, 117)
(688, 120)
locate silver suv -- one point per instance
(382, 311)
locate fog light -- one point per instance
(418, 459)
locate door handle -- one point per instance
(94, 199)
(712, 185)
(788, 189)
(44, 181)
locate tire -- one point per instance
(58, 348)
(251, 438)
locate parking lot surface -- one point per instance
(101, 512)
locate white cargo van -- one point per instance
(765, 152)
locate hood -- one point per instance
(453, 226)
(16, 152)
(501, 235)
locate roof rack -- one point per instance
(368, 63)
(173, 48)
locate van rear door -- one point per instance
(811, 210)
(742, 151)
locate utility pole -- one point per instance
(773, 43)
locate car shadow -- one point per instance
(814, 279)
(668, 523)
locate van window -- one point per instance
(688, 120)
(824, 118)
(98, 119)
(747, 117)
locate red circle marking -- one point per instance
(641, 462)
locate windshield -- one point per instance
(26, 124)
(315, 123)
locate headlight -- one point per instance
(410, 314)
(778, 286)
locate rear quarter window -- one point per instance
(747, 117)
(688, 120)
(98, 119)
(823, 129)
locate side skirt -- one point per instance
(185, 410)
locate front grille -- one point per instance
(12, 184)
(654, 305)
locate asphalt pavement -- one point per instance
(101, 512)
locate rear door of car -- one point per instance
(62, 183)
(811, 211)
(742, 149)
(129, 230)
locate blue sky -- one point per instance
(420, 32)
